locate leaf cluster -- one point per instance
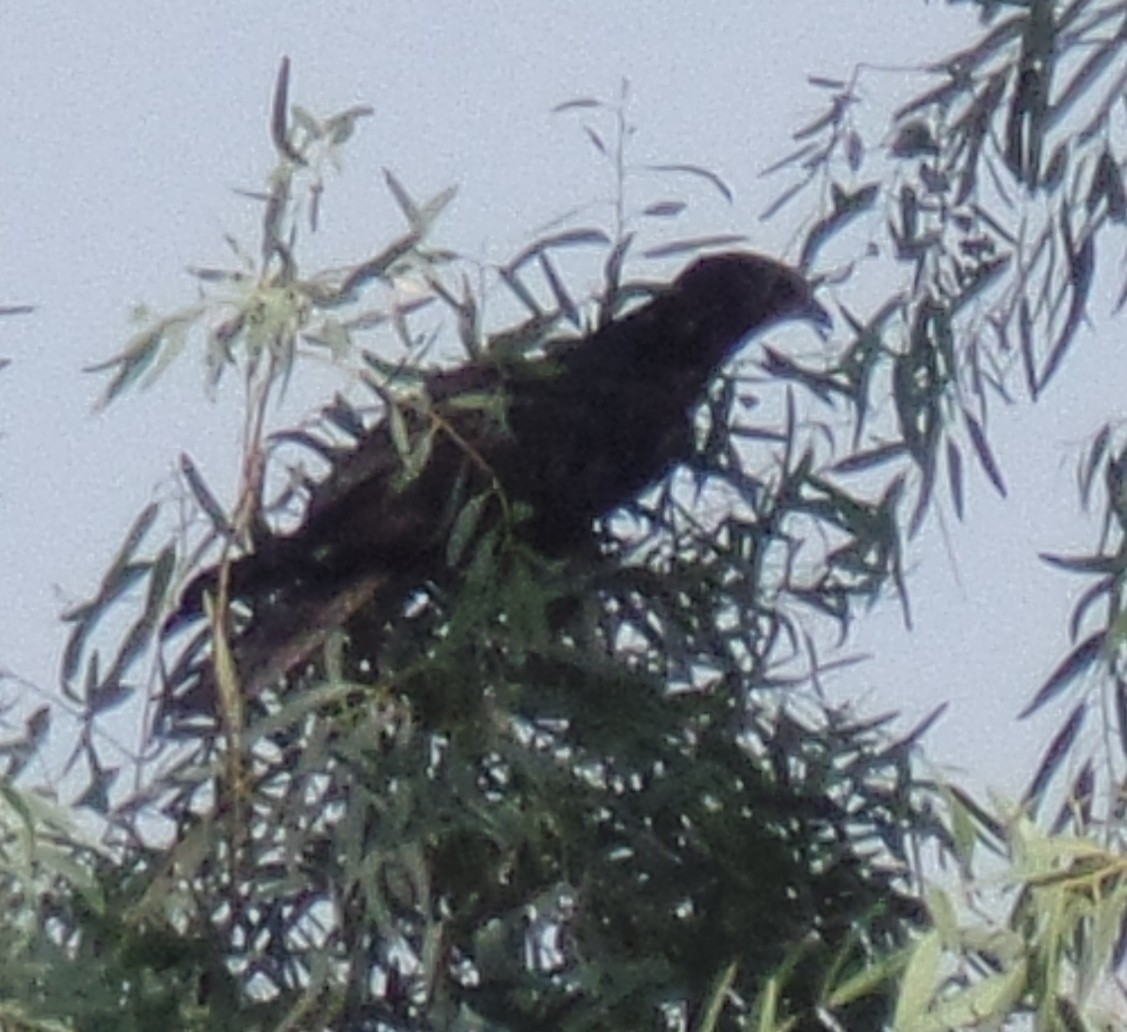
(594, 794)
(544, 794)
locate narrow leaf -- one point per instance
(695, 244)
(985, 456)
(664, 209)
(403, 199)
(279, 131)
(577, 104)
(203, 496)
(1087, 472)
(1093, 596)
(1028, 363)
(955, 476)
(1086, 564)
(465, 527)
(1056, 753)
(790, 159)
(1075, 663)
(868, 459)
(707, 175)
(596, 140)
(1081, 264)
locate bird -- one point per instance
(551, 444)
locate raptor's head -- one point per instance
(738, 294)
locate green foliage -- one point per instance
(601, 793)
(1047, 958)
(1002, 185)
(545, 794)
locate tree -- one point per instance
(543, 792)
(1005, 177)
(596, 795)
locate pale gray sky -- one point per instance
(126, 124)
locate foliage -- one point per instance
(604, 793)
(1048, 959)
(999, 190)
(552, 794)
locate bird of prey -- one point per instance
(559, 441)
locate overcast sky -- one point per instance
(126, 125)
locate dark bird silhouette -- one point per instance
(555, 443)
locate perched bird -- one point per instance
(560, 441)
